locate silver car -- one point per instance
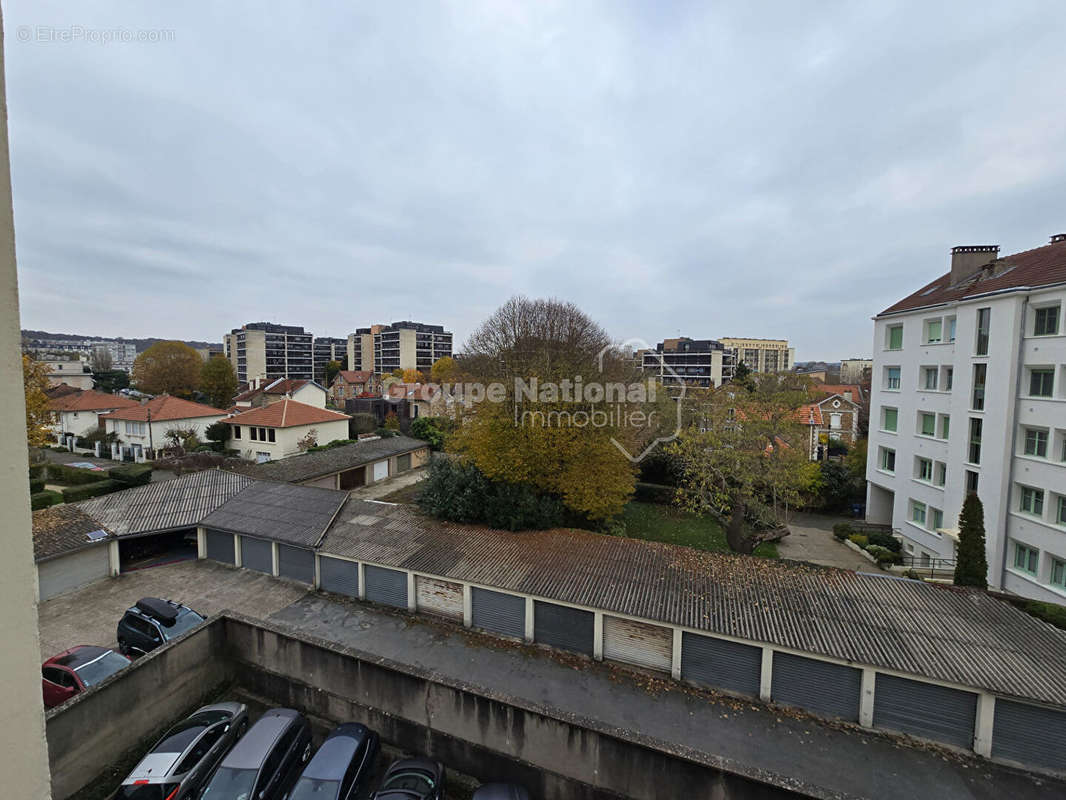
(180, 762)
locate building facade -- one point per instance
(122, 353)
(697, 362)
(856, 370)
(277, 430)
(762, 355)
(361, 349)
(409, 345)
(326, 349)
(969, 395)
(269, 351)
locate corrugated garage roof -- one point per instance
(296, 515)
(178, 503)
(948, 634)
(64, 529)
(327, 462)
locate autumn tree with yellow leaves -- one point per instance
(38, 415)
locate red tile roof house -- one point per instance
(423, 399)
(301, 390)
(145, 425)
(351, 383)
(276, 430)
(79, 412)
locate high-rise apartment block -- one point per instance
(326, 349)
(694, 362)
(762, 355)
(969, 395)
(409, 345)
(265, 351)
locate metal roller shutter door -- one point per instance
(638, 643)
(925, 710)
(498, 612)
(220, 547)
(257, 554)
(830, 689)
(439, 597)
(386, 586)
(721, 663)
(381, 471)
(72, 571)
(296, 563)
(563, 627)
(1029, 734)
(338, 575)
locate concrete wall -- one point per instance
(22, 736)
(97, 728)
(478, 735)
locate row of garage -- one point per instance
(1019, 732)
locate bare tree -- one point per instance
(101, 360)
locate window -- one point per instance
(270, 435)
(980, 375)
(1046, 321)
(236, 431)
(936, 517)
(1026, 558)
(1035, 442)
(918, 513)
(1058, 573)
(888, 459)
(894, 337)
(1041, 382)
(253, 433)
(945, 426)
(892, 378)
(934, 329)
(941, 476)
(135, 428)
(949, 323)
(971, 481)
(975, 441)
(1060, 512)
(984, 323)
(923, 468)
(834, 421)
(926, 424)
(949, 378)
(930, 377)
(891, 419)
(1032, 501)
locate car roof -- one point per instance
(332, 759)
(415, 765)
(252, 748)
(154, 767)
(156, 608)
(77, 656)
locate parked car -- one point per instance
(265, 762)
(180, 762)
(412, 779)
(76, 669)
(151, 622)
(500, 791)
(342, 764)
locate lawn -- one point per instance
(661, 523)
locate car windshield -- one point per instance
(230, 784)
(186, 621)
(411, 781)
(101, 667)
(315, 789)
(146, 791)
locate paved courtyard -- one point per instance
(811, 539)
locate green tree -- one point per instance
(218, 434)
(168, 368)
(218, 381)
(433, 430)
(38, 415)
(332, 368)
(855, 461)
(742, 376)
(111, 381)
(971, 564)
(392, 422)
(443, 370)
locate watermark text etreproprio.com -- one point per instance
(71, 34)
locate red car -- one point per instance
(76, 669)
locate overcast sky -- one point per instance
(710, 169)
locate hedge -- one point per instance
(131, 474)
(38, 471)
(36, 485)
(842, 531)
(654, 493)
(72, 476)
(73, 494)
(44, 499)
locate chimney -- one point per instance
(1058, 237)
(968, 259)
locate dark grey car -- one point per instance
(178, 764)
(265, 762)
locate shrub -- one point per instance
(432, 430)
(1051, 613)
(331, 445)
(386, 432)
(73, 494)
(44, 499)
(131, 475)
(36, 485)
(886, 540)
(38, 471)
(461, 493)
(883, 554)
(842, 530)
(72, 476)
(654, 493)
(859, 539)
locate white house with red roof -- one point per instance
(299, 389)
(276, 430)
(146, 424)
(969, 395)
(79, 412)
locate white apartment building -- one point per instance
(969, 394)
(762, 355)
